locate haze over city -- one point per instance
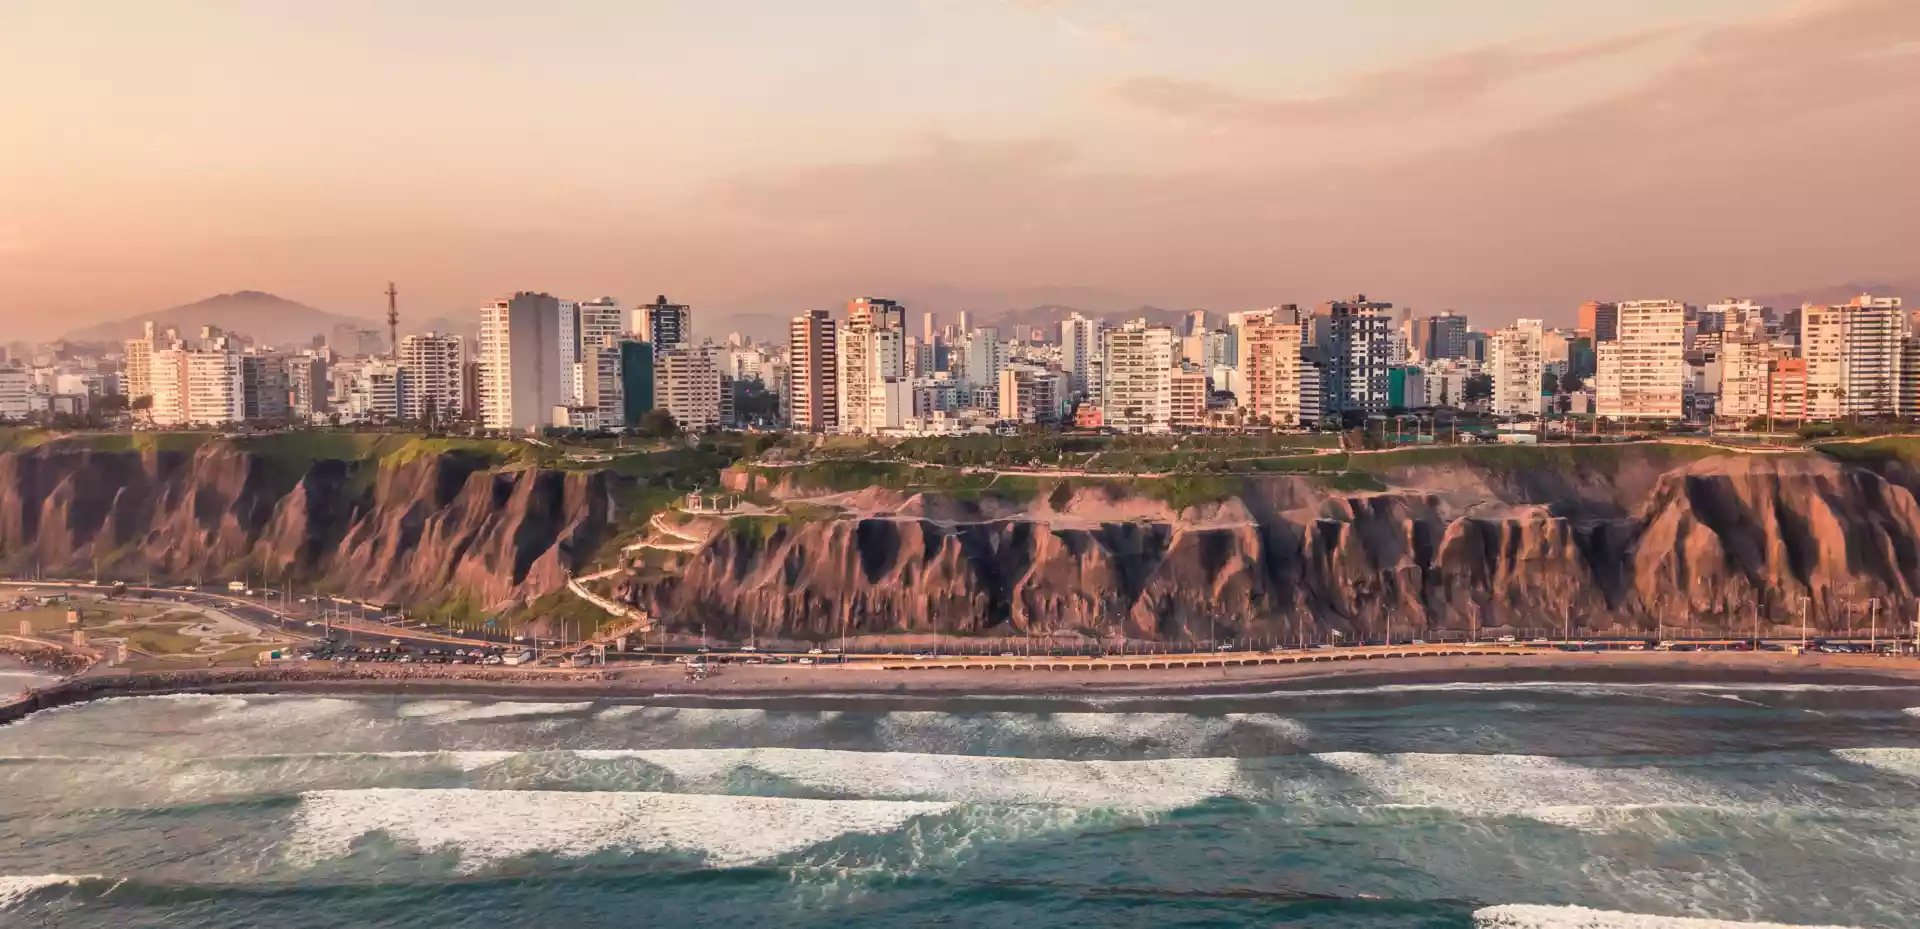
(1499, 158)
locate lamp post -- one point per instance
(1803, 622)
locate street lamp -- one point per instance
(1803, 622)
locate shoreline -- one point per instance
(800, 685)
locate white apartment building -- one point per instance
(1745, 378)
(1267, 386)
(15, 385)
(1642, 374)
(1187, 398)
(983, 355)
(435, 368)
(687, 385)
(1080, 342)
(1853, 357)
(664, 325)
(519, 355)
(378, 391)
(138, 370)
(872, 360)
(1515, 356)
(197, 387)
(1030, 394)
(1139, 378)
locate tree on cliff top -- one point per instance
(658, 424)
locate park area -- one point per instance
(157, 636)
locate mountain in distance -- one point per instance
(765, 315)
(268, 319)
(1907, 288)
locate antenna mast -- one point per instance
(393, 320)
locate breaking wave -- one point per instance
(1528, 916)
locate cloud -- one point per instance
(1776, 153)
(1072, 17)
(1445, 82)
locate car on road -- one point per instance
(815, 651)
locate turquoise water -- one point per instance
(1487, 805)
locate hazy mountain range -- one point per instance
(274, 320)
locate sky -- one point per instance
(1498, 157)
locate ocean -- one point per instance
(1495, 805)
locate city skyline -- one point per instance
(1493, 158)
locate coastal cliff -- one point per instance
(417, 525)
(1623, 540)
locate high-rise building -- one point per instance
(1642, 373)
(929, 327)
(1517, 365)
(264, 388)
(1031, 394)
(1196, 323)
(1187, 398)
(138, 371)
(983, 356)
(378, 391)
(435, 368)
(687, 386)
(521, 377)
(16, 386)
(1446, 336)
(1359, 352)
(636, 381)
(599, 322)
(1746, 370)
(195, 387)
(1788, 390)
(1079, 341)
(813, 378)
(307, 384)
(1139, 378)
(872, 364)
(1600, 320)
(1853, 357)
(1269, 372)
(1313, 382)
(664, 325)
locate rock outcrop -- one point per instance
(1621, 542)
(434, 527)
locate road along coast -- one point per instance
(789, 682)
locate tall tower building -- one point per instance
(1642, 373)
(435, 376)
(872, 363)
(1360, 355)
(1080, 340)
(1446, 336)
(1269, 372)
(665, 325)
(1139, 378)
(813, 378)
(1852, 353)
(139, 365)
(521, 377)
(687, 386)
(1516, 358)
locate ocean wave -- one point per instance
(1912, 711)
(1160, 784)
(486, 827)
(462, 711)
(1547, 789)
(281, 711)
(1575, 688)
(1529, 916)
(1175, 734)
(16, 889)
(1902, 761)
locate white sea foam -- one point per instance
(1537, 787)
(16, 888)
(1912, 711)
(1181, 734)
(275, 711)
(1528, 916)
(1141, 785)
(461, 711)
(485, 827)
(1903, 761)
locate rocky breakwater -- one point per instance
(1624, 540)
(414, 527)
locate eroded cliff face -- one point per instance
(1640, 544)
(434, 527)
